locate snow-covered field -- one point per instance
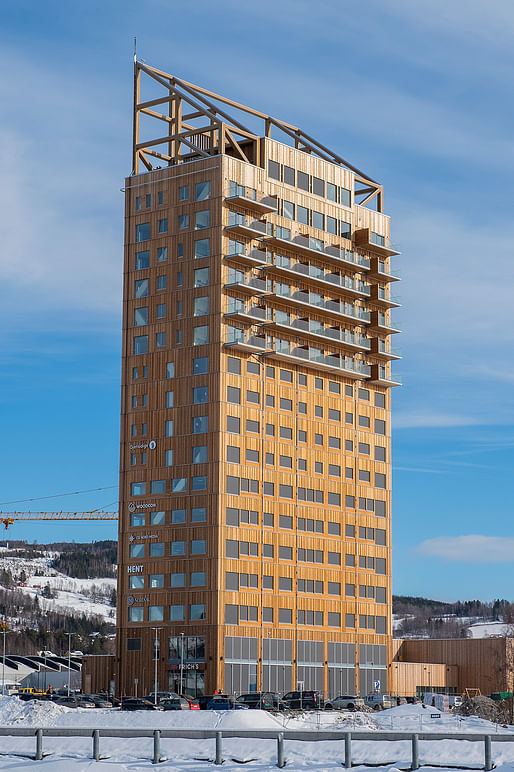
(69, 754)
(72, 594)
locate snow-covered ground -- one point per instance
(72, 597)
(132, 754)
(489, 630)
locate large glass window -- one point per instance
(143, 231)
(201, 306)
(140, 316)
(177, 580)
(158, 486)
(168, 428)
(178, 516)
(162, 226)
(142, 260)
(138, 489)
(136, 614)
(136, 582)
(157, 518)
(201, 277)
(198, 547)
(200, 395)
(155, 613)
(200, 424)
(137, 551)
(202, 219)
(197, 579)
(183, 221)
(178, 548)
(157, 549)
(199, 483)
(140, 344)
(141, 288)
(176, 613)
(183, 193)
(201, 335)
(202, 248)
(199, 455)
(196, 611)
(203, 190)
(200, 365)
(199, 514)
(179, 485)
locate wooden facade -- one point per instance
(255, 482)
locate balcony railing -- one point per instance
(250, 286)
(242, 310)
(334, 306)
(318, 274)
(308, 246)
(317, 357)
(332, 333)
(240, 254)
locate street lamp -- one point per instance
(181, 664)
(70, 636)
(4, 630)
(156, 649)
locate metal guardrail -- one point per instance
(265, 734)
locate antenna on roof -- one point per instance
(135, 48)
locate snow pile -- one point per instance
(15, 712)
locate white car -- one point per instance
(345, 702)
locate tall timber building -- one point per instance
(255, 488)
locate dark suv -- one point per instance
(261, 700)
(303, 700)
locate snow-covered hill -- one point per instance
(91, 597)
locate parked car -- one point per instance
(137, 703)
(99, 700)
(380, 701)
(261, 700)
(160, 696)
(224, 702)
(174, 703)
(78, 701)
(193, 701)
(309, 700)
(204, 700)
(345, 702)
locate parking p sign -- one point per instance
(376, 684)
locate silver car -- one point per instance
(345, 702)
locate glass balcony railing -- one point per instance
(256, 312)
(317, 356)
(337, 306)
(248, 285)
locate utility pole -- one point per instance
(4, 631)
(156, 650)
(181, 664)
(70, 635)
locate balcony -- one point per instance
(314, 331)
(321, 279)
(380, 376)
(379, 270)
(266, 205)
(334, 255)
(366, 238)
(316, 359)
(248, 257)
(379, 297)
(332, 308)
(379, 322)
(251, 343)
(246, 313)
(382, 350)
(252, 286)
(242, 226)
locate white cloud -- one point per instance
(471, 548)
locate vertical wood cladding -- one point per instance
(255, 418)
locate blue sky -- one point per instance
(418, 95)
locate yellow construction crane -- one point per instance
(9, 518)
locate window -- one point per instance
(270, 430)
(334, 558)
(234, 365)
(138, 203)
(202, 219)
(334, 470)
(234, 395)
(170, 369)
(198, 547)
(183, 221)
(199, 483)
(142, 260)
(334, 415)
(364, 421)
(138, 489)
(285, 616)
(233, 425)
(161, 311)
(200, 395)
(285, 583)
(176, 613)
(168, 428)
(380, 427)
(252, 426)
(202, 248)
(285, 553)
(200, 335)
(162, 226)
(140, 316)
(199, 455)
(286, 433)
(288, 210)
(200, 424)
(333, 619)
(137, 551)
(252, 396)
(334, 442)
(364, 448)
(180, 250)
(231, 614)
(286, 376)
(364, 475)
(178, 548)
(380, 453)
(178, 516)
(286, 404)
(346, 230)
(141, 288)
(137, 519)
(136, 582)
(136, 614)
(160, 339)
(197, 579)
(177, 580)
(318, 221)
(273, 170)
(364, 394)
(156, 581)
(160, 198)
(143, 232)
(199, 514)
(158, 486)
(318, 439)
(286, 491)
(379, 399)
(201, 306)
(349, 561)
(203, 190)
(156, 549)
(303, 181)
(183, 193)
(179, 485)
(252, 455)
(380, 480)
(179, 278)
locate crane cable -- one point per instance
(57, 495)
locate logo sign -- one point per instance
(152, 444)
(130, 600)
(144, 445)
(140, 536)
(135, 569)
(376, 684)
(133, 507)
(435, 715)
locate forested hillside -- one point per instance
(425, 618)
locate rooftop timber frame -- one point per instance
(184, 103)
